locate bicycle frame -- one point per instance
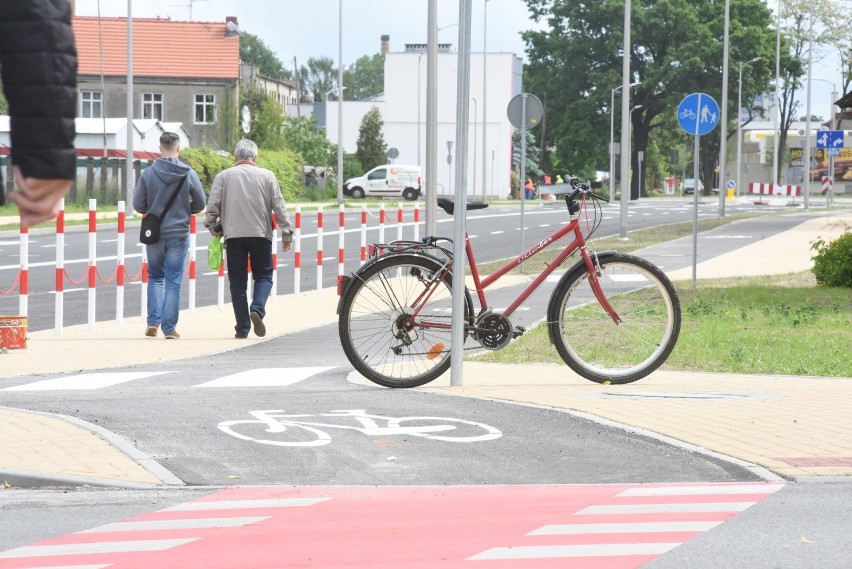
(578, 242)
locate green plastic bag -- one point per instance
(214, 253)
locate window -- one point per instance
(91, 104)
(152, 106)
(205, 109)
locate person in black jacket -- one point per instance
(38, 58)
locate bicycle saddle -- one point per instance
(448, 205)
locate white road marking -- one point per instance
(634, 527)
(85, 381)
(703, 490)
(266, 377)
(94, 548)
(157, 525)
(244, 504)
(555, 551)
(666, 508)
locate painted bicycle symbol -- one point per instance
(687, 114)
(299, 430)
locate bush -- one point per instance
(833, 262)
(206, 162)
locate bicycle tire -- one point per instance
(592, 344)
(371, 313)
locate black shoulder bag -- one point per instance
(149, 231)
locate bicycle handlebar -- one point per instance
(585, 189)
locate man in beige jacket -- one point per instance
(242, 202)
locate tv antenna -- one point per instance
(188, 4)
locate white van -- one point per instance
(390, 180)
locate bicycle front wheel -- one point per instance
(588, 339)
(395, 321)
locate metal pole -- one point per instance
(431, 200)
(462, 126)
(484, 97)
(340, 104)
(777, 115)
(473, 180)
(612, 143)
(739, 127)
(806, 158)
(419, 57)
(625, 120)
(723, 142)
(129, 163)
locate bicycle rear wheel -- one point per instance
(596, 347)
(378, 336)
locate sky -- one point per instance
(303, 29)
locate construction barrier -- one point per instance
(774, 189)
(120, 276)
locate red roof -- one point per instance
(161, 48)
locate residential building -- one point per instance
(403, 110)
(183, 72)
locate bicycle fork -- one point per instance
(594, 281)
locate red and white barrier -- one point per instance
(24, 283)
(123, 277)
(774, 189)
(59, 298)
(319, 249)
(827, 184)
(119, 269)
(93, 262)
(341, 254)
(363, 233)
(297, 250)
(274, 292)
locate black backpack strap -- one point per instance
(174, 196)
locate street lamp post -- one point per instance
(340, 104)
(612, 140)
(473, 182)
(419, 57)
(740, 119)
(484, 94)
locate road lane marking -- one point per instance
(266, 377)
(85, 381)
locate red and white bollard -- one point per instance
(119, 268)
(193, 239)
(399, 221)
(274, 292)
(24, 244)
(297, 250)
(59, 299)
(381, 224)
(319, 249)
(93, 261)
(341, 254)
(417, 221)
(363, 233)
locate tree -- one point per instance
(676, 50)
(371, 148)
(267, 119)
(302, 135)
(255, 52)
(365, 78)
(318, 78)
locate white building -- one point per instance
(403, 110)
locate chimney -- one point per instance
(385, 43)
(232, 26)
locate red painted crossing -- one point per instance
(616, 526)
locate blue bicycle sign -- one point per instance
(698, 114)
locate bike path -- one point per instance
(792, 426)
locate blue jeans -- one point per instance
(166, 260)
(239, 252)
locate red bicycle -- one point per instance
(612, 317)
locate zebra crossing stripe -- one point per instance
(191, 523)
(629, 527)
(702, 490)
(666, 508)
(244, 504)
(95, 548)
(74, 567)
(590, 550)
(85, 381)
(266, 377)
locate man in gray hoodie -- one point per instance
(167, 257)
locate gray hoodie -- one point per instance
(156, 185)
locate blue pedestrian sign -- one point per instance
(698, 114)
(829, 139)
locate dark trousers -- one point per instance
(240, 251)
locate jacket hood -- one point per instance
(169, 170)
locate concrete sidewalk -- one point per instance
(784, 426)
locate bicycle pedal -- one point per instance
(518, 331)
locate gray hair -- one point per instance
(246, 150)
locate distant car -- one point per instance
(688, 186)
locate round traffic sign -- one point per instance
(698, 114)
(393, 153)
(731, 185)
(534, 110)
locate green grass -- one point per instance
(754, 325)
